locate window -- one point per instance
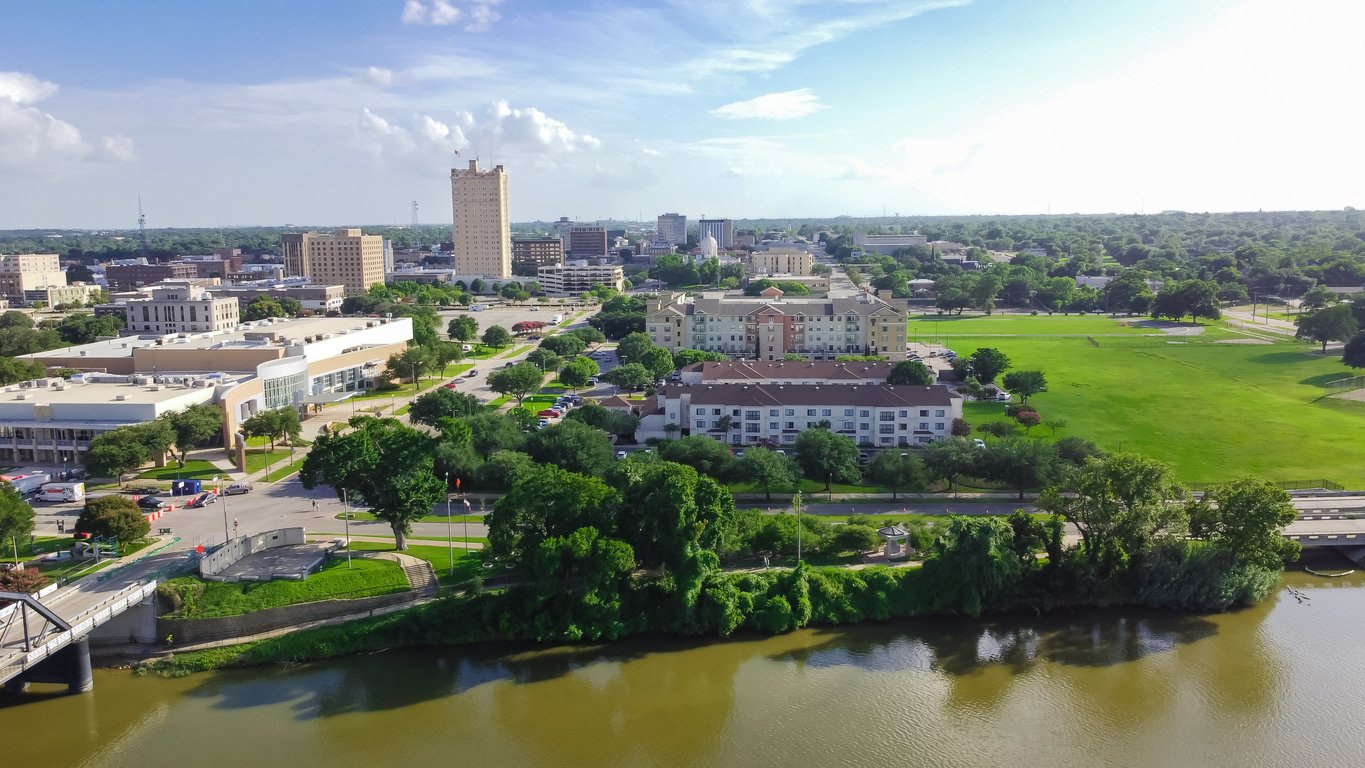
(924, 425)
(940, 413)
(938, 426)
(904, 414)
(773, 426)
(886, 416)
(772, 412)
(789, 412)
(752, 428)
(848, 425)
(864, 413)
(752, 415)
(886, 429)
(824, 412)
(810, 411)
(790, 425)
(700, 423)
(923, 412)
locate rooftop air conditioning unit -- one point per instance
(142, 380)
(120, 397)
(23, 396)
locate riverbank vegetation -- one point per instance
(651, 546)
(189, 597)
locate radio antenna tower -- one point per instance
(141, 227)
(416, 231)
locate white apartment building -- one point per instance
(180, 308)
(481, 229)
(780, 260)
(770, 326)
(577, 279)
(22, 272)
(873, 415)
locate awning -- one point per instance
(327, 398)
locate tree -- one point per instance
(12, 370)
(910, 372)
(412, 362)
(987, 363)
(381, 464)
(1353, 354)
(491, 432)
(828, 456)
(1244, 518)
(588, 335)
(1054, 425)
(571, 445)
(1318, 297)
(1196, 298)
(972, 562)
(685, 357)
(544, 359)
(700, 452)
(611, 421)
(1025, 384)
(630, 377)
(566, 345)
(261, 308)
(658, 360)
(113, 516)
(496, 336)
(856, 538)
(274, 424)
(766, 469)
(16, 516)
(1028, 419)
(1120, 504)
(1020, 464)
(518, 381)
(463, 328)
(1000, 429)
(898, 471)
(1335, 323)
(576, 372)
(961, 427)
(193, 426)
(950, 459)
(442, 403)
(633, 347)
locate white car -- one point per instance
(978, 442)
(620, 454)
(1002, 396)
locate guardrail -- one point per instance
(81, 625)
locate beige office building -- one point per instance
(481, 230)
(28, 272)
(782, 260)
(181, 308)
(348, 258)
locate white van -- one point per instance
(62, 492)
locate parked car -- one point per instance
(592, 381)
(448, 385)
(620, 454)
(472, 373)
(978, 442)
(236, 488)
(547, 414)
(1002, 396)
(202, 500)
(543, 424)
(152, 502)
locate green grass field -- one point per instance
(467, 562)
(928, 325)
(334, 581)
(1211, 411)
(194, 469)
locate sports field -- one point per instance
(1211, 411)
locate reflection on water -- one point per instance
(1271, 685)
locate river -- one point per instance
(1275, 685)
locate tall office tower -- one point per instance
(347, 258)
(672, 229)
(481, 230)
(721, 229)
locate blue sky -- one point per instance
(334, 113)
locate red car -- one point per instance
(448, 385)
(548, 413)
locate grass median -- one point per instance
(198, 599)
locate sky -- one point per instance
(344, 112)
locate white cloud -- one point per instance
(785, 105)
(31, 138)
(377, 76)
(443, 13)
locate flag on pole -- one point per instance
(467, 508)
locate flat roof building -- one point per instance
(537, 251)
(577, 279)
(888, 244)
(21, 272)
(671, 229)
(127, 277)
(180, 308)
(780, 260)
(481, 229)
(587, 241)
(347, 257)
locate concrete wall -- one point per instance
(135, 625)
(242, 546)
(192, 631)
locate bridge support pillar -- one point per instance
(81, 679)
(16, 685)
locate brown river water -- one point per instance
(1279, 684)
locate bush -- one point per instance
(21, 580)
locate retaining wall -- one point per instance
(238, 548)
(193, 631)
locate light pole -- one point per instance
(450, 543)
(222, 499)
(345, 502)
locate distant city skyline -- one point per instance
(256, 113)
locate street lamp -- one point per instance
(345, 502)
(450, 543)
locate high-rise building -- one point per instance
(672, 229)
(29, 271)
(721, 229)
(587, 241)
(537, 251)
(481, 230)
(348, 258)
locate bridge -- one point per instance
(45, 638)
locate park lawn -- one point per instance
(536, 403)
(455, 369)
(334, 581)
(259, 460)
(1211, 411)
(467, 562)
(500, 401)
(513, 352)
(283, 471)
(193, 469)
(1032, 325)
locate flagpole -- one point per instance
(450, 544)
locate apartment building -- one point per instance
(128, 277)
(786, 372)
(57, 295)
(481, 229)
(873, 415)
(180, 308)
(537, 251)
(347, 257)
(577, 279)
(780, 260)
(771, 326)
(671, 229)
(267, 364)
(22, 272)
